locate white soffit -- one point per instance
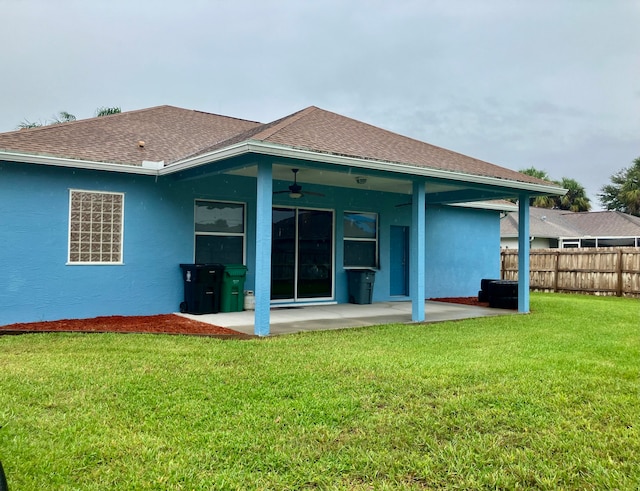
(310, 175)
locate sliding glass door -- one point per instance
(302, 254)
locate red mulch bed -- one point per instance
(462, 300)
(156, 324)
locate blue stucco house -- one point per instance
(96, 215)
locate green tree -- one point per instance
(623, 194)
(25, 124)
(539, 201)
(65, 117)
(533, 172)
(107, 111)
(576, 198)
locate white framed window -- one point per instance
(219, 232)
(360, 239)
(96, 221)
(569, 243)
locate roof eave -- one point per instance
(259, 147)
(26, 158)
(484, 205)
(275, 150)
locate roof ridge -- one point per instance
(280, 124)
(261, 132)
(218, 115)
(304, 112)
(627, 216)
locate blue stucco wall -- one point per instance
(37, 284)
(463, 246)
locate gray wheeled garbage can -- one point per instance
(360, 285)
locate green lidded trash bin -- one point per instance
(233, 288)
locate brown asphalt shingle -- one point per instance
(172, 134)
(169, 134)
(322, 131)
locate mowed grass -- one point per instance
(545, 401)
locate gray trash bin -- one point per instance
(360, 285)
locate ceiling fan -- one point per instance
(295, 190)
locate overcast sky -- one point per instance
(553, 84)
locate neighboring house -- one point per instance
(96, 215)
(565, 229)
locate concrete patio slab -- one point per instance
(293, 319)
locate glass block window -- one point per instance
(360, 240)
(95, 227)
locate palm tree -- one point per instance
(539, 201)
(576, 198)
(107, 111)
(25, 124)
(65, 117)
(623, 194)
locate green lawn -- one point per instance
(548, 400)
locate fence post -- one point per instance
(557, 272)
(619, 270)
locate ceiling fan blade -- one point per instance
(295, 189)
(404, 204)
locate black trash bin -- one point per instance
(202, 288)
(3, 480)
(360, 285)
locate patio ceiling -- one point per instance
(437, 190)
(344, 178)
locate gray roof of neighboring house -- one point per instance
(173, 134)
(551, 223)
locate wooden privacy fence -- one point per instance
(596, 271)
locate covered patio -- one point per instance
(301, 202)
(290, 320)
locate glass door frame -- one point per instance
(296, 299)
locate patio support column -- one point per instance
(417, 251)
(523, 253)
(264, 203)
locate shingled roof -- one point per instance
(169, 134)
(551, 223)
(172, 134)
(322, 131)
